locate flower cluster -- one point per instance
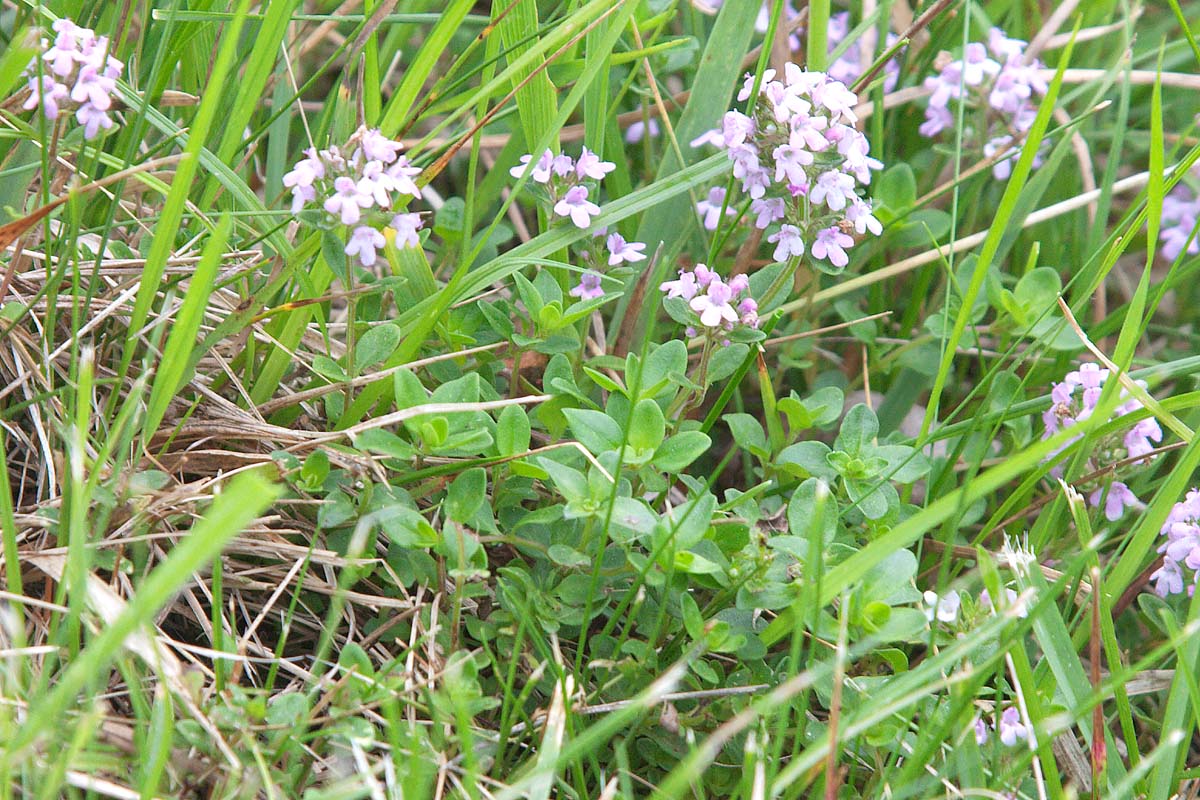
(801, 161)
(563, 178)
(720, 305)
(359, 190)
(75, 72)
(1074, 400)
(1010, 727)
(1182, 530)
(995, 79)
(946, 607)
(617, 251)
(1180, 217)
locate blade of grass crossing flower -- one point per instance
(250, 84)
(172, 212)
(245, 497)
(180, 353)
(1004, 213)
(536, 105)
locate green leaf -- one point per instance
(748, 433)
(807, 459)
(680, 450)
(376, 344)
(512, 431)
(859, 429)
(647, 426)
(595, 430)
(466, 494)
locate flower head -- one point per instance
(710, 208)
(620, 250)
(1011, 728)
(575, 204)
(788, 243)
(406, 227)
(364, 242)
(831, 244)
(589, 165)
(77, 71)
(589, 287)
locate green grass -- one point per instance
(277, 525)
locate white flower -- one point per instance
(364, 241)
(859, 213)
(943, 608)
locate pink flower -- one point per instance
(406, 227)
(710, 208)
(541, 170)
(402, 173)
(92, 119)
(47, 92)
(575, 204)
(714, 305)
(982, 732)
(347, 201)
(1119, 497)
(588, 287)
(685, 286)
(638, 130)
(769, 210)
(788, 243)
(1012, 729)
(92, 87)
(620, 250)
(831, 244)
(589, 165)
(790, 162)
(833, 188)
(377, 147)
(859, 213)
(364, 241)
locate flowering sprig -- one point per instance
(801, 161)
(359, 191)
(612, 251)
(1181, 548)
(718, 306)
(75, 72)
(563, 180)
(1074, 400)
(995, 80)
